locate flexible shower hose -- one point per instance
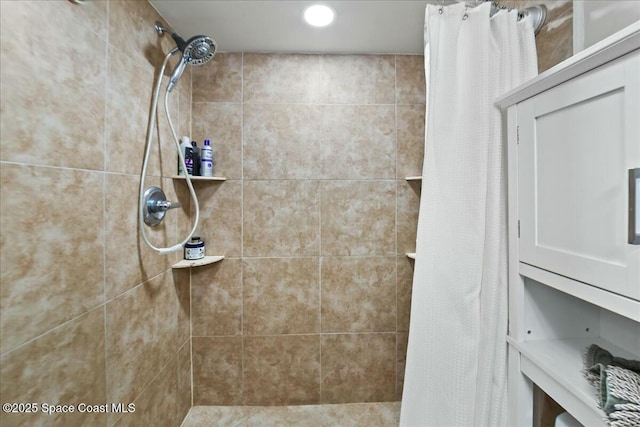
(143, 173)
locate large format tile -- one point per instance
(128, 103)
(410, 134)
(145, 328)
(184, 385)
(220, 416)
(129, 261)
(358, 368)
(282, 370)
(164, 154)
(357, 79)
(217, 370)
(219, 80)
(404, 287)
(282, 142)
(554, 42)
(52, 249)
(221, 123)
(280, 78)
(359, 142)
(281, 218)
(280, 295)
(157, 404)
(382, 414)
(220, 223)
(358, 294)
(358, 217)
(52, 98)
(217, 299)
(410, 82)
(407, 209)
(131, 30)
(402, 341)
(66, 366)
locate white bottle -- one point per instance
(187, 149)
(206, 159)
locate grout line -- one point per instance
(306, 334)
(104, 212)
(390, 255)
(66, 168)
(395, 352)
(48, 331)
(242, 361)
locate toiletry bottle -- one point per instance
(196, 158)
(206, 168)
(187, 152)
(194, 249)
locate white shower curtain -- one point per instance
(456, 359)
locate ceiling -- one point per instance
(277, 26)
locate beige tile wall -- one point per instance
(312, 302)
(87, 313)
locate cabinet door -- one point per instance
(577, 143)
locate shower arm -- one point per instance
(161, 29)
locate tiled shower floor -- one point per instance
(385, 414)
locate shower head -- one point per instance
(197, 50)
(200, 50)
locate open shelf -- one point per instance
(188, 263)
(200, 178)
(615, 303)
(556, 367)
(414, 178)
(411, 255)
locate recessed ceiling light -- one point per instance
(319, 15)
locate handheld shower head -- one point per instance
(200, 49)
(197, 50)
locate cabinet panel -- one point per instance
(577, 142)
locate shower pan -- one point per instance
(153, 203)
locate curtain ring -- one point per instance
(466, 15)
(441, 8)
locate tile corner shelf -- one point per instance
(411, 255)
(188, 263)
(200, 178)
(414, 178)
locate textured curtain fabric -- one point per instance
(456, 369)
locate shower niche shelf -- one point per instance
(411, 255)
(414, 178)
(188, 263)
(200, 178)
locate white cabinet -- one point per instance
(577, 142)
(574, 278)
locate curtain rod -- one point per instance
(538, 12)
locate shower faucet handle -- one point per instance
(155, 205)
(163, 205)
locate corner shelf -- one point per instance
(411, 255)
(200, 178)
(188, 263)
(414, 178)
